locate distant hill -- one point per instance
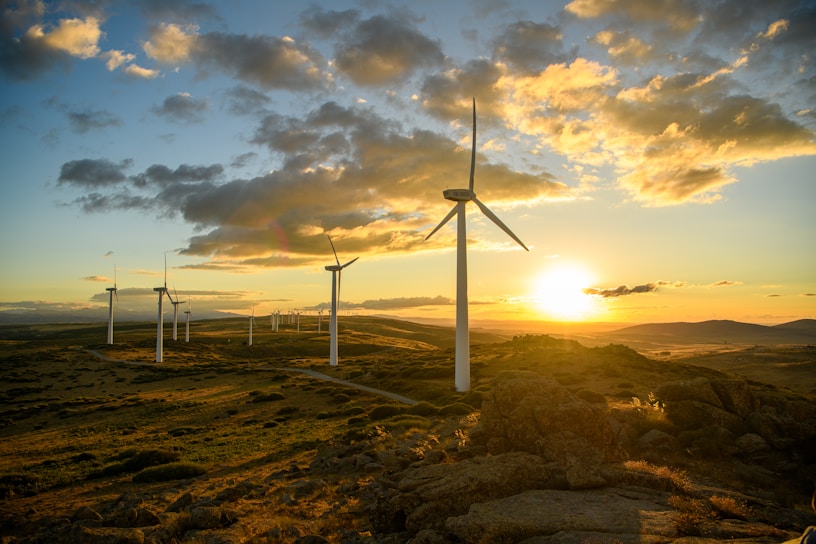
(802, 331)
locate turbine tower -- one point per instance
(251, 323)
(162, 291)
(111, 293)
(175, 313)
(336, 270)
(188, 312)
(461, 197)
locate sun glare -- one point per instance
(560, 293)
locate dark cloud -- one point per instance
(25, 58)
(345, 171)
(382, 50)
(85, 121)
(242, 100)
(183, 108)
(406, 302)
(327, 23)
(267, 61)
(177, 11)
(530, 46)
(622, 290)
(97, 278)
(447, 95)
(93, 172)
(725, 283)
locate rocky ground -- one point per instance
(707, 458)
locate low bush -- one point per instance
(268, 397)
(384, 411)
(136, 460)
(456, 409)
(170, 471)
(13, 485)
(423, 408)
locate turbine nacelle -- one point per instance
(459, 195)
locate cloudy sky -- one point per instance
(656, 156)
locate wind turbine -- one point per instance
(188, 312)
(336, 270)
(251, 322)
(160, 320)
(175, 313)
(111, 293)
(461, 197)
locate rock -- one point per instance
(751, 444)
(545, 512)
(210, 517)
(694, 414)
(427, 536)
(736, 396)
(528, 412)
(132, 516)
(81, 534)
(429, 494)
(181, 504)
(656, 438)
(311, 539)
(698, 389)
(86, 513)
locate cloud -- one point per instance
(267, 61)
(725, 283)
(140, 72)
(622, 290)
(624, 46)
(679, 15)
(382, 50)
(77, 37)
(384, 186)
(85, 121)
(406, 302)
(530, 46)
(183, 107)
(97, 279)
(91, 173)
(115, 58)
(325, 23)
(242, 100)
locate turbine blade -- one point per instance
(333, 250)
(498, 222)
(442, 224)
(473, 149)
(351, 261)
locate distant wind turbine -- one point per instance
(112, 292)
(188, 312)
(251, 323)
(162, 291)
(175, 313)
(462, 197)
(336, 270)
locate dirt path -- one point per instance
(307, 371)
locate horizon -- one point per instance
(657, 164)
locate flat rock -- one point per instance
(547, 512)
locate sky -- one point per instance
(657, 157)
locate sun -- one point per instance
(559, 293)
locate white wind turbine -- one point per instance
(162, 291)
(112, 292)
(188, 312)
(251, 323)
(462, 197)
(336, 270)
(175, 313)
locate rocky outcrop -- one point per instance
(529, 412)
(748, 413)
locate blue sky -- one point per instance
(657, 157)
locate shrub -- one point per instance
(135, 460)
(268, 397)
(12, 485)
(456, 409)
(340, 398)
(170, 471)
(384, 411)
(423, 408)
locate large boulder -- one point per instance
(529, 412)
(427, 495)
(547, 512)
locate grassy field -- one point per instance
(79, 418)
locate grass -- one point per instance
(219, 409)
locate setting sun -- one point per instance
(560, 293)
